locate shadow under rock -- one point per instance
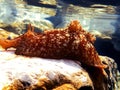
(114, 46)
(57, 19)
(106, 48)
(116, 34)
(37, 3)
(87, 3)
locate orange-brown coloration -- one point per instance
(70, 43)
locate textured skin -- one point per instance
(69, 43)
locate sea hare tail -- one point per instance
(9, 43)
(5, 43)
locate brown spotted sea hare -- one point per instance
(71, 42)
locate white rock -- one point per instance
(31, 70)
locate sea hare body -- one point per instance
(69, 43)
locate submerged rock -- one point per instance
(6, 34)
(26, 73)
(14, 16)
(36, 73)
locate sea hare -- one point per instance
(71, 42)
